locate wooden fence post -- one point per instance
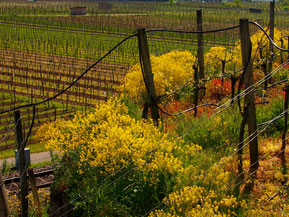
(283, 148)
(200, 70)
(271, 24)
(200, 46)
(32, 182)
(4, 209)
(249, 104)
(147, 73)
(22, 164)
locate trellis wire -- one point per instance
(134, 167)
(231, 155)
(35, 104)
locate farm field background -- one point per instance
(43, 47)
(126, 166)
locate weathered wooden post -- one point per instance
(249, 103)
(200, 45)
(4, 209)
(271, 24)
(22, 164)
(35, 195)
(200, 70)
(147, 74)
(283, 147)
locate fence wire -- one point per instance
(52, 71)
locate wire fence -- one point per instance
(66, 78)
(267, 123)
(74, 42)
(102, 185)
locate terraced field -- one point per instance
(46, 113)
(46, 75)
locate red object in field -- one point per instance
(217, 90)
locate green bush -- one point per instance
(268, 112)
(110, 163)
(218, 131)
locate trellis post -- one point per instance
(147, 73)
(271, 24)
(22, 164)
(249, 104)
(283, 147)
(200, 70)
(4, 210)
(200, 45)
(35, 195)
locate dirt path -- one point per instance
(35, 158)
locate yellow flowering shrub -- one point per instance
(233, 57)
(110, 139)
(102, 146)
(217, 56)
(205, 193)
(14, 202)
(270, 200)
(259, 40)
(281, 38)
(218, 177)
(171, 70)
(197, 201)
(260, 45)
(44, 198)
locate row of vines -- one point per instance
(110, 161)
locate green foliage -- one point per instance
(113, 165)
(268, 112)
(4, 167)
(216, 132)
(121, 194)
(234, 4)
(223, 130)
(281, 75)
(284, 4)
(134, 108)
(129, 196)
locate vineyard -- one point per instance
(147, 108)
